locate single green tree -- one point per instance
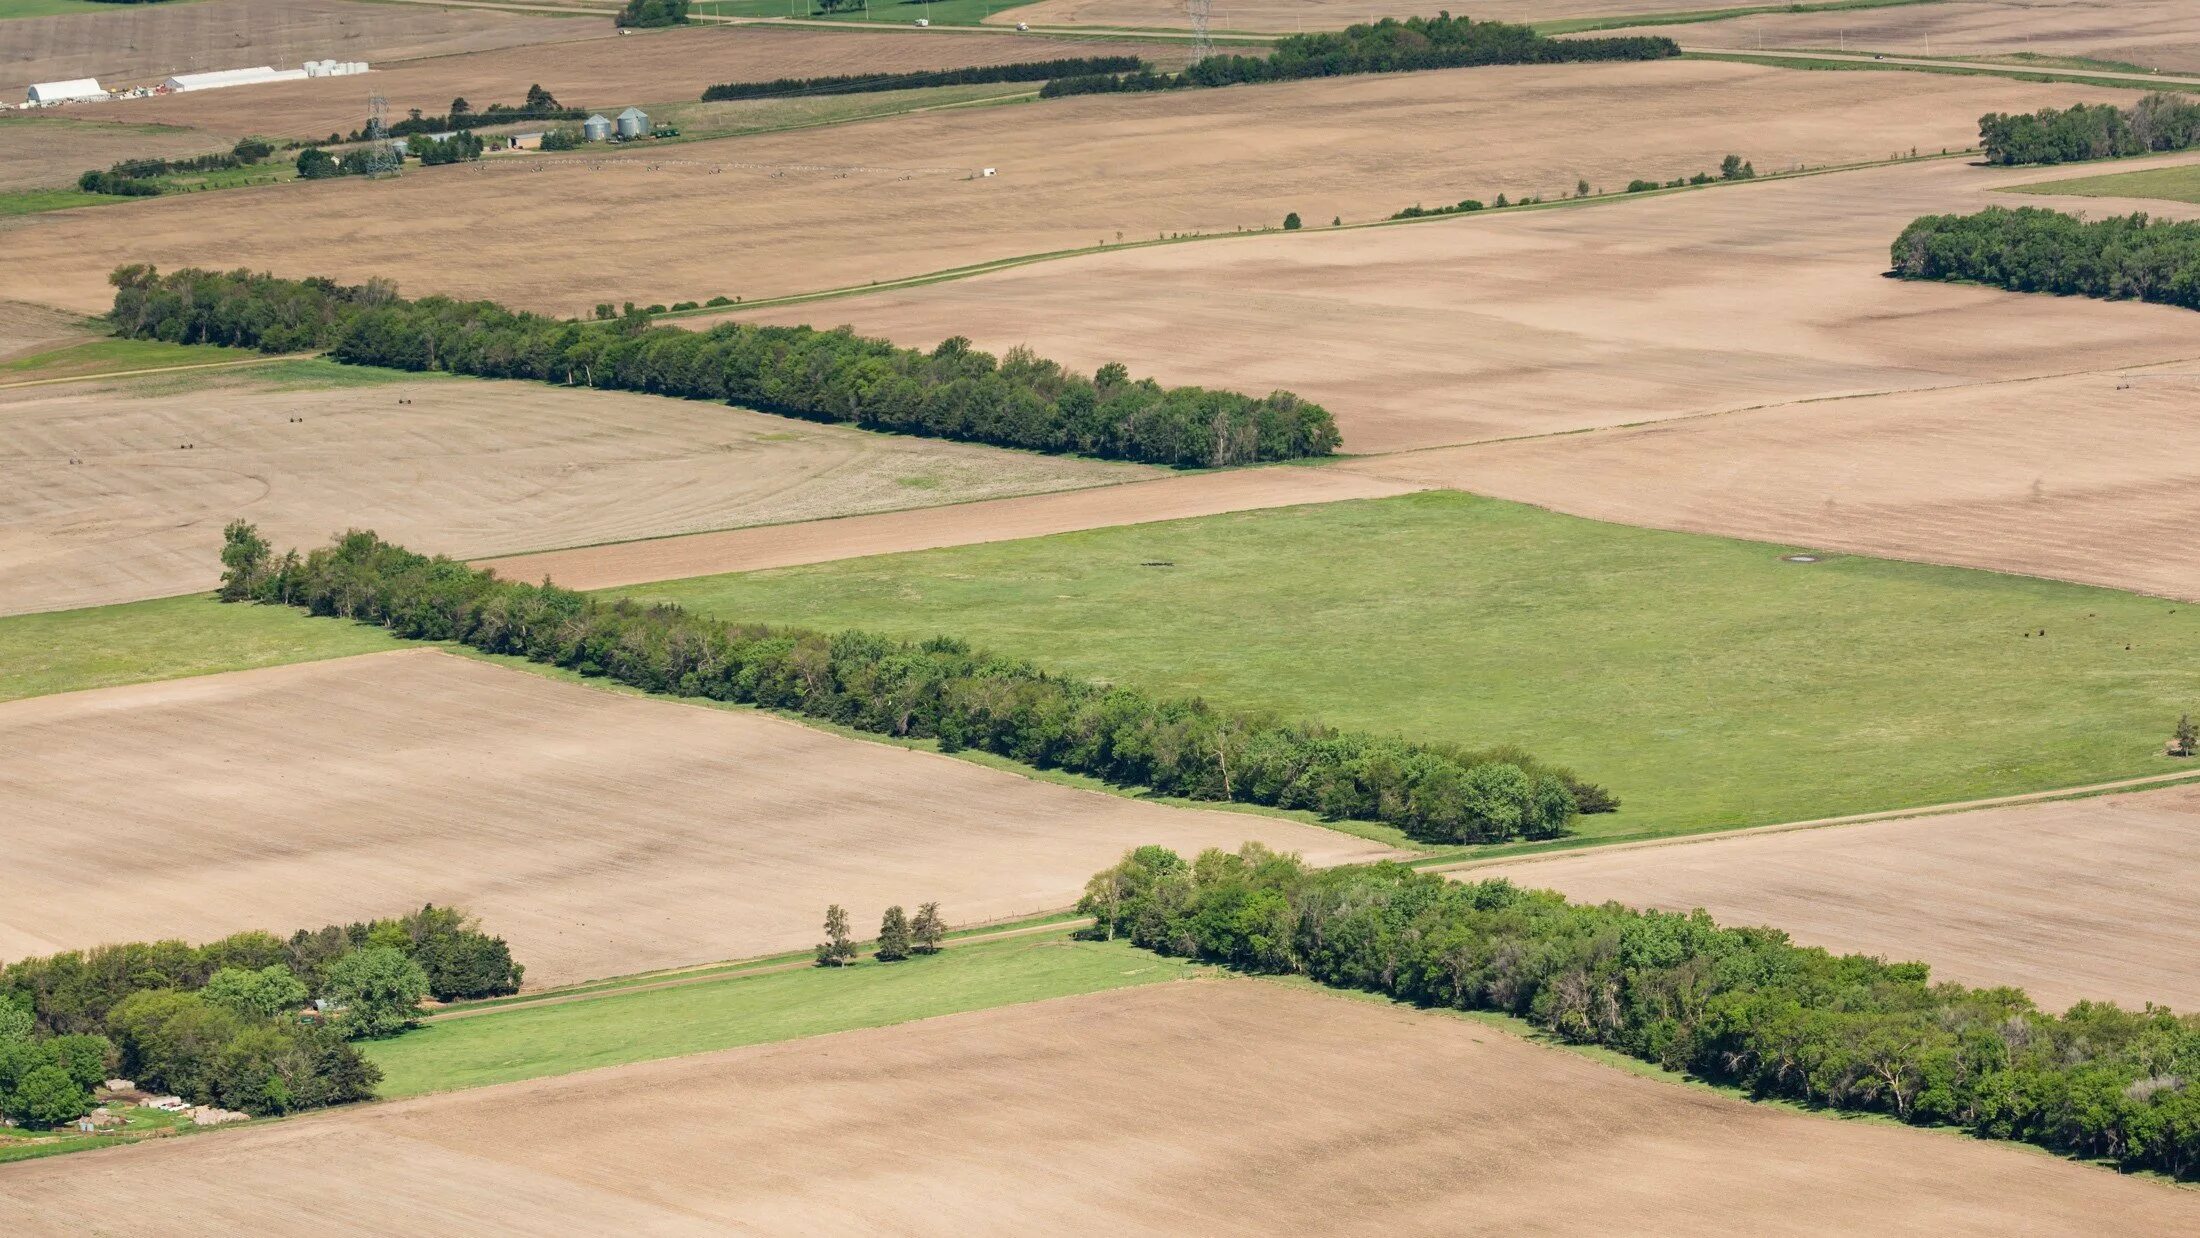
(1291, 222)
(316, 164)
(459, 107)
(1501, 200)
(927, 930)
(1732, 168)
(2187, 736)
(1581, 187)
(837, 950)
(893, 935)
(540, 100)
(379, 991)
(46, 1097)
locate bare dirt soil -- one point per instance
(2093, 478)
(602, 71)
(999, 520)
(600, 833)
(2086, 899)
(1293, 16)
(142, 44)
(2156, 34)
(1469, 329)
(463, 467)
(27, 329)
(1204, 1106)
(49, 150)
(781, 213)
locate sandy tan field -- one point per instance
(2082, 899)
(602, 71)
(142, 44)
(801, 211)
(465, 467)
(601, 834)
(26, 329)
(1292, 16)
(1204, 1106)
(48, 150)
(2156, 34)
(2093, 478)
(1470, 329)
(1000, 520)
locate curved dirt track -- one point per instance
(1205, 1106)
(601, 834)
(997, 520)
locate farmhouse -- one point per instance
(64, 92)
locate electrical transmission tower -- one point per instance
(1203, 12)
(382, 158)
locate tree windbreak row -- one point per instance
(1386, 46)
(1738, 1006)
(935, 689)
(863, 83)
(953, 392)
(2031, 249)
(2157, 122)
(253, 1022)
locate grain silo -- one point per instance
(596, 129)
(633, 123)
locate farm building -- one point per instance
(64, 92)
(633, 123)
(219, 78)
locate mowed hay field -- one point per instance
(41, 151)
(600, 833)
(2155, 34)
(603, 71)
(1706, 682)
(26, 329)
(2082, 900)
(1293, 16)
(2093, 477)
(134, 44)
(798, 212)
(1474, 328)
(109, 508)
(1200, 1106)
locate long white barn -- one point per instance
(217, 78)
(64, 92)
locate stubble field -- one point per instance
(2087, 899)
(2155, 34)
(1293, 16)
(1221, 1106)
(42, 151)
(600, 833)
(109, 508)
(795, 212)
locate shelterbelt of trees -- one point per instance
(224, 1023)
(953, 392)
(861, 83)
(1739, 1006)
(936, 689)
(2157, 122)
(2032, 249)
(1386, 46)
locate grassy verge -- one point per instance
(1707, 681)
(172, 638)
(1689, 17)
(39, 201)
(95, 357)
(619, 1028)
(2178, 184)
(137, 1123)
(879, 12)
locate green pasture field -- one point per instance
(2178, 184)
(111, 356)
(528, 1042)
(39, 201)
(171, 638)
(1706, 681)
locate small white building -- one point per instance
(334, 68)
(219, 78)
(66, 92)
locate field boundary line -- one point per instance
(159, 369)
(2141, 782)
(2082, 77)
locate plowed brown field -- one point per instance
(797, 212)
(1544, 321)
(1206, 1106)
(2083, 899)
(601, 834)
(463, 467)
(2093, 478)
(742, 550)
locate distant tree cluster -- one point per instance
(860, 83)
(226, 1023)
(645, 13)
(1739, 1006)
(2157, 122)
(460, 147)
(540, 104)
(2031, 249)
(954, 391)
(315, 164)
(1386, 46)
(140, 178)
(899, 936)
(935, 689)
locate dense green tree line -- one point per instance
(643, 13)
(540, 104)
(2030, 249)
(860, 83)
(222, 1023)
(2157, 122)
(1386, 46)
(953, 392)
(140, 178)
(460, 147)
(1739, 1006)
(936, 689)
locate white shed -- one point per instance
(63, 92)
(233, 77)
